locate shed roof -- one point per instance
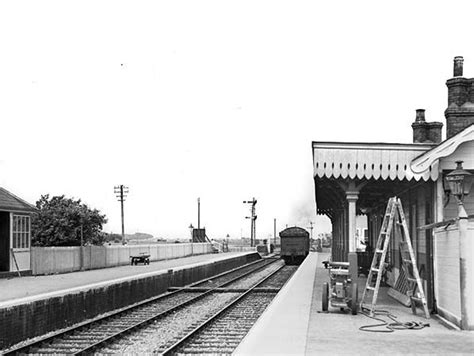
(10, 202)
(357, 160)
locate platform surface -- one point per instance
(294, 324)
(18, 289)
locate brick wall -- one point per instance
(456, 123)
(460, 111)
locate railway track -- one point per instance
(88, 337)
(223, 331)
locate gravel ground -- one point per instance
(77, 341)
(158, 336)
(161, 334)
(88, 335)
(224, 334)
(255, 277)
(279, 280)
(215, 282)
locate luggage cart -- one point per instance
(141, 258)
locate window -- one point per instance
(21, 231)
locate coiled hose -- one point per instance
(390, 327)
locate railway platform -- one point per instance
(23, 289)
(294, 324)
(33, 306)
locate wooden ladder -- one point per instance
(394, 214)
(409, 265)
(378, 262)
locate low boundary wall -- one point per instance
(23, 321)
(50, 260)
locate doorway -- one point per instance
(4, 241)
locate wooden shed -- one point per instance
(15, 233)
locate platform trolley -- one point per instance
(341, 292)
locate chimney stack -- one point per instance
(460, 111)
(425, 132)
(420, 115)
(458, 62)
(419, 127)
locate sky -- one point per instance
(213, 99)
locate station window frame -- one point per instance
(21, 232)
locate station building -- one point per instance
(357, 179)
(15, 234)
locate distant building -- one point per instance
(354, 178)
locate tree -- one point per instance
(59, 221)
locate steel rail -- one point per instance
(122, 311)
(101, 343)
(173, 348)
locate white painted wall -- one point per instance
(447, 283)
(49, 260)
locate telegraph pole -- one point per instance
(275, 231)
(199, 213)
(252, 218)
(121, 193)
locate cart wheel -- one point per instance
(354, 299)
(325, 296)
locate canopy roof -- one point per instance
(375, 171)
(10, 202)
(369, 160)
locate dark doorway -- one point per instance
(4, 241)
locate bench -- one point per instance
(141, 258)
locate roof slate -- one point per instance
(10, 202)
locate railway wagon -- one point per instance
(294, 245)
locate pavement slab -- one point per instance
(294, 324)
(338, 333)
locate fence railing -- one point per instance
(233, 248)
(50, 260)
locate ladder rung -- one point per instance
(394, 216)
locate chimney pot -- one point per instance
(458, 63)
(420, 115)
